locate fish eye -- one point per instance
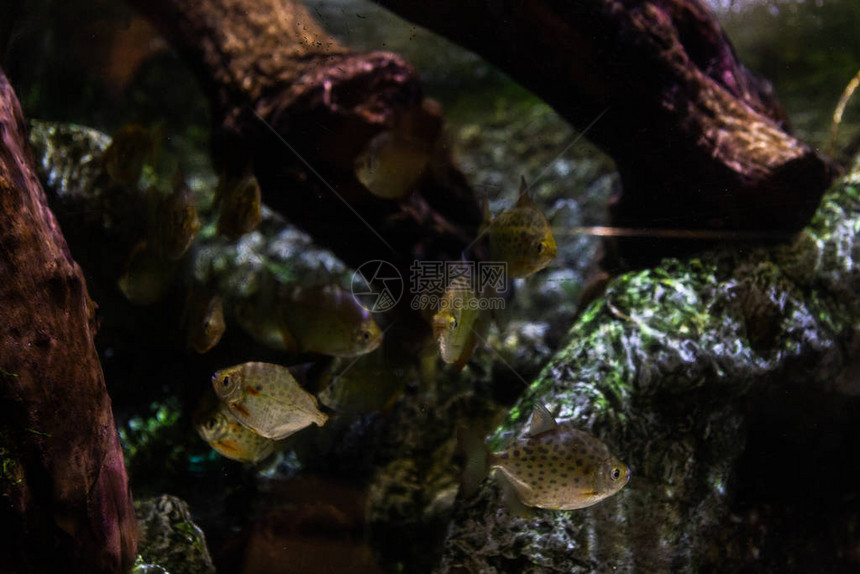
(540, 248)
(453, 323)
(366, 335)
(226, 381)
(615, 473)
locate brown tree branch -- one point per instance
(699, 141)
(65, 504)
(277, 82)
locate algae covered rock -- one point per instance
(728, 384)
(170, 541)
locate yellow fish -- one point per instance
(455, 324)
(228, 437)
(239, 204)
(147, 276)
(521, 237)
(267, 399)
(176, 223)
(204, 319)
(328, 320)
(395, 160)
(256, 318)
(556, 467)
(392, 164)
(325, 320)
(368, 384)
(131, 147)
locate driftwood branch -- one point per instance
(300, 108)
(699, 141)
(65, 504)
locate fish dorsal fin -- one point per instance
(524, 200)
(542, 421)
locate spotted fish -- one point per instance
(147, 275)
(217, 426)
(177, 223)
(203, 319)
(239, 205)
(367, 384)
(556, 467)
(131, 147)
(521, 237)
(267, 399)
(455, 324)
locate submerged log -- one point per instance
(65, 504)
(300, 108)
(699, 141)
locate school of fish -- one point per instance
(256, 405)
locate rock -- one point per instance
(170, 541)
(728, 384)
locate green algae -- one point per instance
(666, 369)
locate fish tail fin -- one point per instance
(476, 457)
(320, 418)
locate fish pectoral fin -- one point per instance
(542, 421)
(512, 499)
(467, 353)
(290, 343)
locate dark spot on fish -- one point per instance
(528, 449)
(579, 462)
(517, 453)
(576, 480)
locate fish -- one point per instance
(229, 438)
(267, 399)
(521, 236)
(204, 319)
(365, 385)
(328, 320)
(146, 276)
(395, 160)
(325, 320)
(239, 202)
(391, 164)
(455, 324)
(130, 148)
(254, 316)
(555, 467)
(177, 222)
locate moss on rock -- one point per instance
(675, 368)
